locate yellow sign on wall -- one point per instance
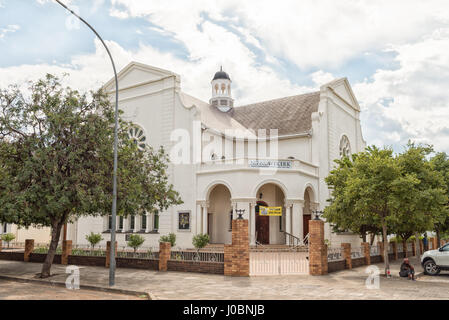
(270, 211)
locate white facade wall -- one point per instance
(151, 98)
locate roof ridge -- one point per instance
(279, 99)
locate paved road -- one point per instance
(11, 290)
(342, 285)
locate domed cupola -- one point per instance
(221, 92)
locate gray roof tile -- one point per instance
(290, 115)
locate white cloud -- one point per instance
(309, 33)
(411, 102)
(91, 71)
(9, 29)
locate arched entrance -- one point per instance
(219, 215)
(269, 230)
(307, 213)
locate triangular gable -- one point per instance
(135, 73)
(343, 90)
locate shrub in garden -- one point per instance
(170, 238)
(8, 237)
(200, 241)
(94, 239)
(135, 241)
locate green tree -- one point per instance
(56, 159)
(8, 237)
(440, 162)
(171, 237)
(94, 239)
(200, 241)
(135, 241)
(371, 191)
(341, 213)
(424, 204)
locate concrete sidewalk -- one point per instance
(342, 285)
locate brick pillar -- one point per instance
(413, 248)
(164, 255)
(317, 248)
(66, 251)
(435, 243)
(108, 253)
(404, 248)
(0, 245)
(395, 250)
(236, 255)
(380, 248)
(346, 249)
(421, 246)
(29, 247)
(228, 260)
(366, 253)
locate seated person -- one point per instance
(407, 270)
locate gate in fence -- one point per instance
(267, 263)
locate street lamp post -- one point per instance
(114, 194)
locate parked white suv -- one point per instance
(434, 261)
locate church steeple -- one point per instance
(221, 91)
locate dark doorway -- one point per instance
(305, 219)
(262, 225)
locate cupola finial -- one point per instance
(221, 91)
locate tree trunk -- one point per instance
(385, 241)
(364, 236)
(55, 235)
(373, 236)
(437, 231)
(417, 246)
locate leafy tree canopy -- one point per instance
(56, 160)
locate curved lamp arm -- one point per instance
(114, 196)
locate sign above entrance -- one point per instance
(270, 211)
(276, 164)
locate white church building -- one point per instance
(227, 158)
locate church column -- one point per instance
(205, 206)
(297, 219)
(252, 221)
(288, 220)
(199, 218)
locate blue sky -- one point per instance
(395, 54)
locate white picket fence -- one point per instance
(278, 263)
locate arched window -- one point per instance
(223, 88)
(216, 88)
(138, 136)
(345, 147)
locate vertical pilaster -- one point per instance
(149, 225)
(252, 221)
(199, 218)
(288, 220)
(205, 206)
